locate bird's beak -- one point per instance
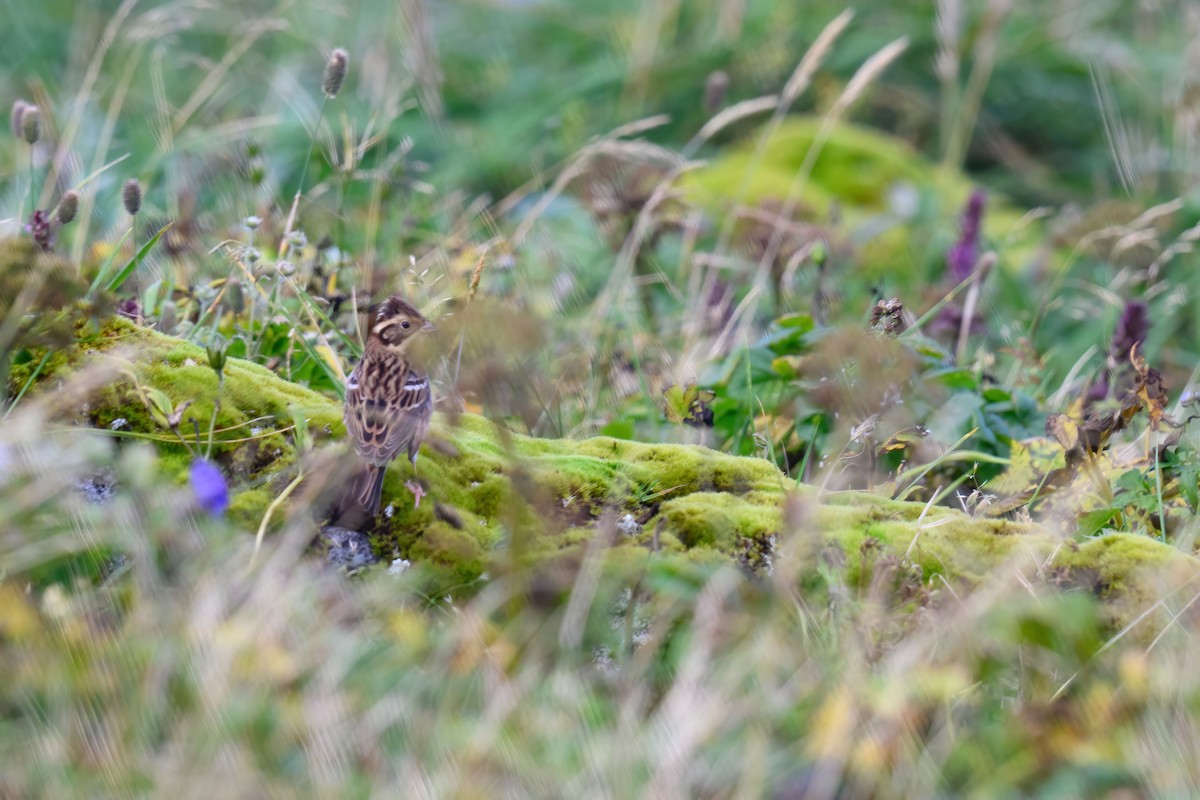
(429, 327)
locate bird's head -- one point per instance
(395, 321)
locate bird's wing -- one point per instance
(394, 421)
(414, 406)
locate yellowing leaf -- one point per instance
(1064, 429)
(407, 628)
(832, 731)
(329, 357)
(18, 620)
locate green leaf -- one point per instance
(618, 429)
(801, 322)
(1131, 481)
(150, 298)
(787, 367)
(1190, 485)
(956, 378)
(954, 415)
(1037, 633)
(161, 407)
(930, 350)
(237, 348)
(128, 269)
(1093, 522)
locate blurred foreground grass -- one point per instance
(164, 658)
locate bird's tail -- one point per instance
(360, 499)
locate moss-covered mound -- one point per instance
(858, 171)
(496, 497)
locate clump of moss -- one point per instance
(498, 499)
(856, 171)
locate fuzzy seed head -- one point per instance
(168, 318)
(131, 196)
(31, 124)
(15, 119)
(716, 87)
(68, 207)
(236, 297)
(335, 73)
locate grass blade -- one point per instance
(352, 346)
(28, 382)
(925, 470)
(338, 385)
(128, 269)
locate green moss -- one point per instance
(247, 507)
(857, 170)
(718, 520)
(453, 559)
(1130, 572)
(487, 496)
(697, 506)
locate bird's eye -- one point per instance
(405, 325)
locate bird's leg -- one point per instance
(414, 485)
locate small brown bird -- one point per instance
(388, 404)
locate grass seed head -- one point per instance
(168, 317)
(15, 117)
(716, 87)
(335, 73)
(31, 124)
(131, 196)
(68, 207)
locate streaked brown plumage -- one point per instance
(388, 402)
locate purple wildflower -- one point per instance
(1131, 330)
(961, 258)
(208, 486)
(39, 226)
(1098, 390)
(130, 308)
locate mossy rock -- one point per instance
(857, 170)
(497, 498)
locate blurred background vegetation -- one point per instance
(740, 223)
